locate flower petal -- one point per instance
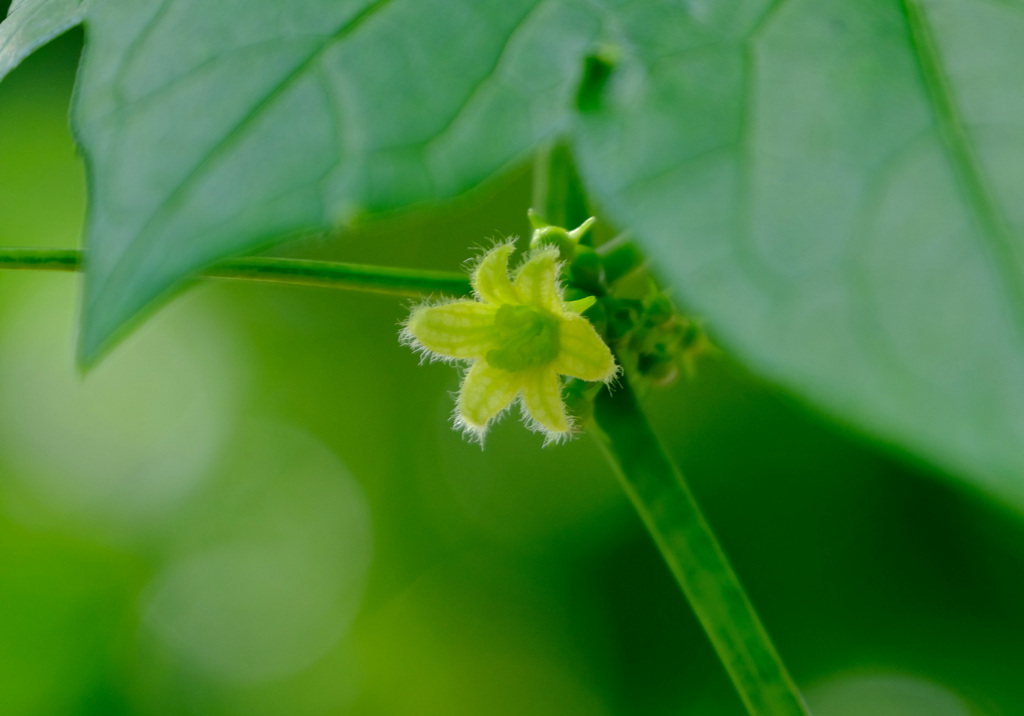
(462, 329)
(490, 279)
(582, 354)
(542, 399)
(485, 392)
(537, 282)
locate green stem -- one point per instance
(670, 512)
(329, 274)
(665, 503)
(557, 192)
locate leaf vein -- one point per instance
(491, 73)
(349, 26)
(773, 9)
(128, 60)
(966, 165)
(142, 100)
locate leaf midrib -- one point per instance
(1009, 260)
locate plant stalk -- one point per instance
(671, 514)
(327, 274)
(666, 505)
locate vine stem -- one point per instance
(671, 514)
(667, 507)
(328, 274)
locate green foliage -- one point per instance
(212, 130)
(833, 186)
(505, 581)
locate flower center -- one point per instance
(526, 338)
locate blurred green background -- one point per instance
(256, 505)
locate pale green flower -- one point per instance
(518, 337)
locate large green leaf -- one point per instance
(835, 185)
(839, 187)
(31, 23)
(215, 127)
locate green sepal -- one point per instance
(566, 241)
